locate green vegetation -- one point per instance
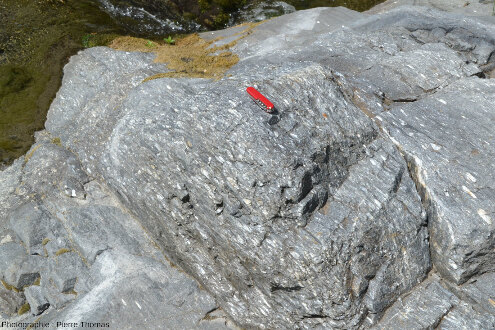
(359, 5)
(36, 40)
(8, 286)
(169, 40)
(57, 142)
(86, 41)
(230, 5)
(24, 309)
(215, 13)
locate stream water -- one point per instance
(38, 37)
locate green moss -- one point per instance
(62, 251)
(150, 44)
(9, 286)
(230, 5)
(36, 40)
(57, 142)
(359, 5)
(189, 16)
(13, 79)
(221, 20)
(24, 309)
(204, 5)
(37, 282)
(70, 292)
(95, 39)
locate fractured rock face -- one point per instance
(10, 301)
(318, 215)
(268, 212)
(432, 305)
(36, 299)
(133, 292)
(85, 255)
(448, 139)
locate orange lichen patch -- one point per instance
(191, 56)
(131, 44)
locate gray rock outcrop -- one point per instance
(365, 200)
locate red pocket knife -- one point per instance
(260, 100)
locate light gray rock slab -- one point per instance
(36, 299)
(57, 244)
(423, 308)
(479, 292)
(10, 178)
(217, 319)
(431, 305)
(62, 271)
(448, 139)
(11, 253)
(191, 170)
(269, 211)
(136, 292)
(51, 168)
(296, 29)
(94, 230)
(17, 268)
(468, 8)
(464, 316)
(57, 299)
(70, 231)
(407, 75)
(35, 227)
(10, 301)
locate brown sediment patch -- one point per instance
(191, 56)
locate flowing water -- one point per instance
(38, 37)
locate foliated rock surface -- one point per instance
(323, 214)
(267, 211)
(80, 257)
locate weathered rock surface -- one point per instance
(432, 305)
(81, 257)
(470, 8)
(321, 215)
(453, 171)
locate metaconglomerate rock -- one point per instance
(270, 211)
(448, 139)
(80, 256)
(321, 214)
